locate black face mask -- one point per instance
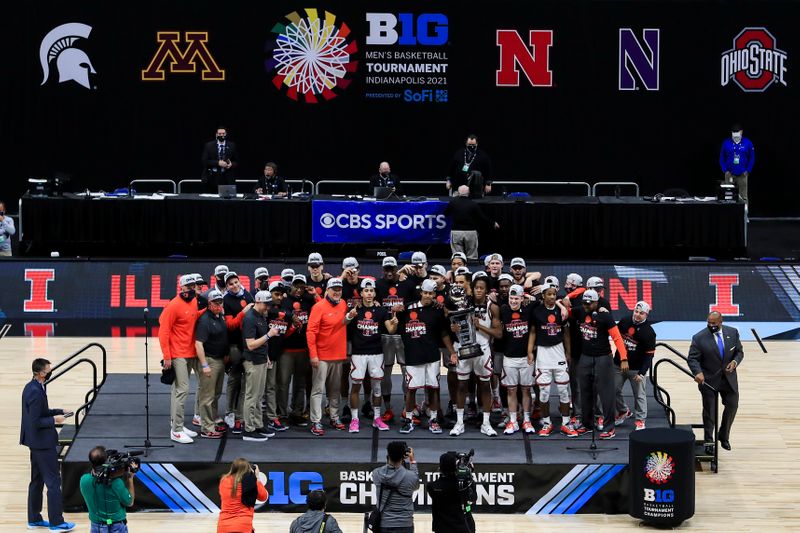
(263, 285)
(471, 148)
(713, 329)
(221, 138)
(188, 297)
(47, 376)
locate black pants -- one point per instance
(45, 471)
(597, 371)
(730, 399)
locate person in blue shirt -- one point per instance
(736, 159)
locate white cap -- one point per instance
(349, 262)
(389, 261)
(261, 272)
(492, 257)
(418, 258)
(575, 279)
(197, 277)
(590, 295)
(287, 273)
(516, 290)
(263, 297)
(438, 269)
(479, 274)
(460, 255)
(594, 282)
(462, 270)
(299, 277)
(428, 285)
(551, 281)
(334, 282)
(186, 279)
(315, 258)
(367, 283)
(220, 270)
(642, 306)
(215, 294)
(507, 277)
(231, 274)
(275, 285)
(518, 261)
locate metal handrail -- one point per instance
(143, 180)
(54, 375)
(617, 183)
(344, 182)
(180, 183)
(548, 183)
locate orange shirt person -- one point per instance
(238, 491)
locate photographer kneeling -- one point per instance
(395, 483)
(106, 494)
(452, 497)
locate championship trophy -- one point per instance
(467, 346)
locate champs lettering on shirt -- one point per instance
(365, 330)
(421, 328)
(387, 293)
(350, 293)
(640, 340)
(516, 330)
(549, 326)
(415, 328)
(594, 331)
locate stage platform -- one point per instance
(516, 474)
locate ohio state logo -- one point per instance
(755, 62)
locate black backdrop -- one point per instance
(581, 128)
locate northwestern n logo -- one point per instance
(534, 63)
(639, 60)
(184, 57)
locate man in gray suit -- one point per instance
(714, 357)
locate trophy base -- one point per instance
(469, 351)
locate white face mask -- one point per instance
(736, 136)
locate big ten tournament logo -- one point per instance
(639, 60)
(723, 293)
(294, 488)
(755, 62)
(312, 57)
(61, 46)
(406, 57)
(659, 467)
(183, 53)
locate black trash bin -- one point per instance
(662, 476)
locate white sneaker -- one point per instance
(230, 419)
(196, 421)
(189, 432)
(181, 437)
(488, 430)
(457, 430)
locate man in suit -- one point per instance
(714, 357)
(220, 160)
(38, 432)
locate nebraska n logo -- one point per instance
(187, 56)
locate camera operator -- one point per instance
(106, 494)
(395, 483)
(451, 498)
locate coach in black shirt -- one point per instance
(640, 340)
(211, 343)
(466, 160)
(467, 217)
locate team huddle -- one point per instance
(332, 337)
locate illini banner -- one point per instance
(376, 222)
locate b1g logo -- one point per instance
(430, 29)
(755, 62)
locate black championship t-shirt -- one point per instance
(233, 305)
(640, 340)
(351, 293)
(364, 331)
(594, 331)
(318, 286)
(549, 325)
(213, 333)
(281, 319)
(516, 330)
(387, 293)
(254, 326)
(421, 329)
(409, 288)
(300, 308)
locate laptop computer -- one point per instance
(381, 192)
(227, 191)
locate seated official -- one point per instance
(270, 182)
(238, 491)
(106, 500)
(384, 178)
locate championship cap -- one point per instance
(551, 281)
(220, 270)
(263, 297)
(214, 294)
(349, 262)
(492, 257)
(479, 274)
(595, 283)
(459, 255)
(462, 270)
(642, 306)
(507, 277)
(276, 286)
(389, 261)
(287, 274)
(334, 283)
(198, 278)
(518, 261)
(186, 279)
(261, 272)
(590, 295)
(428, 285)
(516, 290)
(367, 283)
(575, 279)
(314, 259)
(299, 277)
(419, 258)
(438, 269)
(231, 274)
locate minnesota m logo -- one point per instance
(185, 56)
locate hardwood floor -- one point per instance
(756, 489)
